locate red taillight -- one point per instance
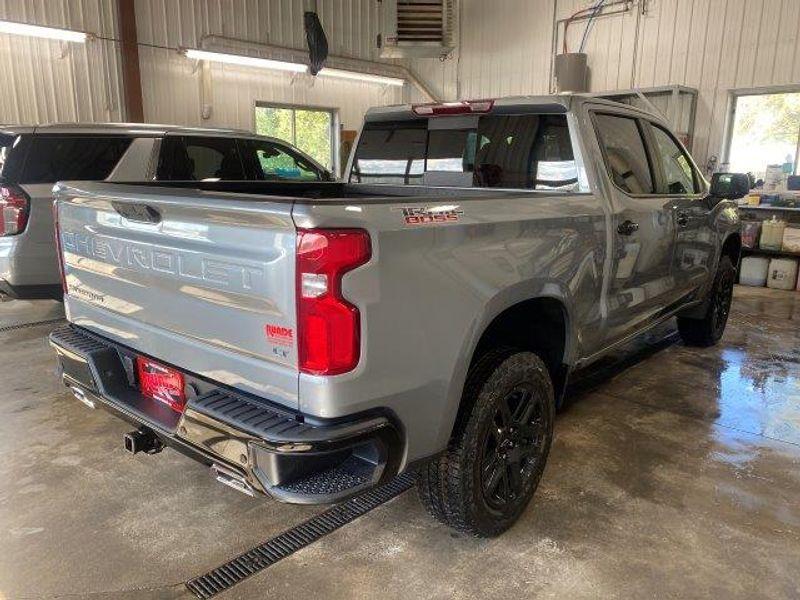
(453, 108)
(14, 208)
(59, 254)
(161, 383)
(328, 326)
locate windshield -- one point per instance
(495, 151)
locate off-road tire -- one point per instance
(708, 330)
(453, 487)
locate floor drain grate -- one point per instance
(33, 324)
(267, 554)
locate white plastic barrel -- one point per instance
(754, 271)
(782, 273)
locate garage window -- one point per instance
(766, 131)
(310, 129)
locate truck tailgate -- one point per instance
(202, 281)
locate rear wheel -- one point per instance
(496, 457)
(708, 330)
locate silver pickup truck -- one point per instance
(310, 340)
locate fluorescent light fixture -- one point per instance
(355, 75)
(53, 33)
(246, 61)
(293, 67)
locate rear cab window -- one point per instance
(514, 151)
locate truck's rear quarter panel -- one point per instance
(429, 291)
(195, 289)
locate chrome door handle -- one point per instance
(627, 227)
(683, 219)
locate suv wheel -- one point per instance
(495, 459)
(708, 330)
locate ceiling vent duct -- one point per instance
(417, 28)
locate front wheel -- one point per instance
(708, 330)
(497, 454)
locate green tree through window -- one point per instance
(308, 129)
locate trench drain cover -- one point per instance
(290, 541)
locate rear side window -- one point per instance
(501, 151)
(677, 174)
(192, 158)
(72, 157)
(624, 153)
(266, 160)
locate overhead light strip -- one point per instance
(292, 67)
(246, 61)
(52, 33)
(355, 75)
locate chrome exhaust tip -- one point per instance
(232, 479)
(81, 395)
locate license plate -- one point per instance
(161, 383)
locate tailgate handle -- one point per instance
(134, 211)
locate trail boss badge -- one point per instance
(424, 215)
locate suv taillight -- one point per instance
(328, 326)
(59, 254)
(14, 208)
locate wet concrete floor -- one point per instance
(675, 472)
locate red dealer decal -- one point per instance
(278, 334)
(423, 215)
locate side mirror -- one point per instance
(729, 186)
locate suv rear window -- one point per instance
(54, 158)
(497, 151)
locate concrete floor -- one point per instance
(675, 472)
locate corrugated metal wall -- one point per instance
(45, 80)
(505, 48)
(82, 82)
(711, 45)
(171, 85)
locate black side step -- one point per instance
(287, 543)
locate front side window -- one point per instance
(271, 161)
(73, 157)
(676, 170)
(500, 151)
(624, 153)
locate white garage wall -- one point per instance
(45, 80)
(171, 86)
(51, 81)
(711, 45)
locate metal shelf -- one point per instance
(765, 207)
(770, 252)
